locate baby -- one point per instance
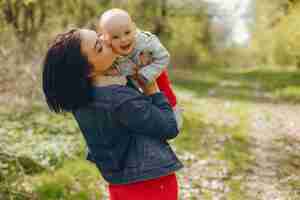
(140, 52)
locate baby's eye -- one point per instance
(127, 32)
(115, 37)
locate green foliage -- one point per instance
(26, 17)
(276, 40)
(289, 35)
(29, 17)
(189, 41)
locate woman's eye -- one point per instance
(100, 49)
(115, 37)
(127, 32)
(98, 46)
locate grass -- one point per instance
(265, 84)
(236, 149)
(236, 192)
(77, 179)
(192, 124)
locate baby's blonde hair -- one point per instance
(107, 15)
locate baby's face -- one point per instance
(121, 36)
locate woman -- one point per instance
(126, 131)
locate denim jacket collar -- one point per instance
(109, 80)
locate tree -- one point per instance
(25, 16)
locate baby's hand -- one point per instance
(145, 58)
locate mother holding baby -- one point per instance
(126, 131)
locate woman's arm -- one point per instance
(148, 114)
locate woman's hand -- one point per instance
(150, 88)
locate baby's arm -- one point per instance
(160, 59)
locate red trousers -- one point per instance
(162, 188)
(164, 85)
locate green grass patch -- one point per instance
(236, 153)
(207, 195)
(236, 148)
(77, 179)
(289, 93)
(189, 138)
(295, 184)
(236, 191)
(256, 84)
(38, 121)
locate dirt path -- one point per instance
(274, 134)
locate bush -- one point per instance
(189, 41)
(288, 30)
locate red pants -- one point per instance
(164, 85)
(163, 188)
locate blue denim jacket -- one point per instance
(127, 132)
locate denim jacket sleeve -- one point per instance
(148, 115)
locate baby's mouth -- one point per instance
(126, 47)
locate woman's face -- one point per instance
(99, 55)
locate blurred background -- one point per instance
(227, 58)
(199, 34)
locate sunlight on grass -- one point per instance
(289, 93)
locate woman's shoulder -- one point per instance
(116, 94)
(126, 94)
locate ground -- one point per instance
(266, 163)
(240, 141)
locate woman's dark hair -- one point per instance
(65, 74)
